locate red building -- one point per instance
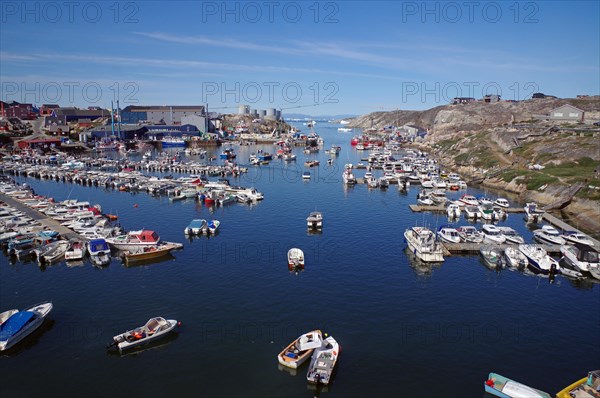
(39, 141)
(21, 111)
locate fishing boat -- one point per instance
(134, 240)
(153, 330)
(583, 258)
(212, 226)
(492, 234)
(511, 235)
(538, 259)
(22, 323)
(504, 387)
(295, 258)
(314, 220)
(492, 256)
(502, 203)
(76, 250)
(514, 258)
(322, 362)
(587, 387)
(533, 213)
(577, 238)
(448, 234)
(150, 252)
(421, 242)
(453, 210)
(548, 234)
(195, 227)
(300, 349)
(99, 251)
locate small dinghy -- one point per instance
(500, 386)
(323, 362)
(153, 330)
(212, 226)
(300, 349)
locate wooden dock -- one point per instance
(473, 248)
(41, 217)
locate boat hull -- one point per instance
(40, 311)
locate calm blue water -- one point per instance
(405, 329)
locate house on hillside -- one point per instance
(462, 100)
(567, 113)
(491, 98)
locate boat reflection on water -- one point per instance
(31, 340)
(138, 263)
(314, 231)
(319, 388)
(159, 344)
(292, 372)
(421, 268)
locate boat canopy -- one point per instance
(98, 245)
(14, 324)
(310, 341)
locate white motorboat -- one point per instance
(212, 226)
(195, 227)
(502, 203)
(348, 177)
(438, 196)
(492, 234)
(453, 210)
(134, 240)
(153, 330)
(533, 213)
(548, 234)
(295, 258)
(583, 258)
(487, 212)
(424, 199)
(22, 323)
(577, 238)
(538, 260)
(511, 235)
(99, 251)
(76, 250)
(421, 242)
(469, 200)
(492, 256)
(472, 212)
(300, 349)
(323, 362)
(52, 252)
(470, 234)
(448, 234)
(315, 220)
(514, 258)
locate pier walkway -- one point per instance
(42, 218)
(473, 248)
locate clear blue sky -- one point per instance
(350, 57)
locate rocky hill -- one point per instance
(511, 146)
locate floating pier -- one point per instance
(442, 209)
(40, 217)
(473, 248)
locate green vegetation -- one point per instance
(447, 144)
(512, 174)
(537, 179)
(462, 158)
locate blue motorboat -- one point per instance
(21, 324)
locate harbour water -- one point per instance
(406, 329)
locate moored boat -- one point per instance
(548, 234)
(533, 213)
(448, 234)
(538, 259)
(300, 349)
(99, 251)
(421, 242)
(514, 258)
(583, 258)
(574, 238)
(322, 362)
(134, 240)
(195, 227)
(504, 387)
(492, 234)
(295, 258)
(153, 330)
(587, 387)
(150, 252)
(212, 226)
(492, 256)
(315, 220)
(76, 250)
(22, 323)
